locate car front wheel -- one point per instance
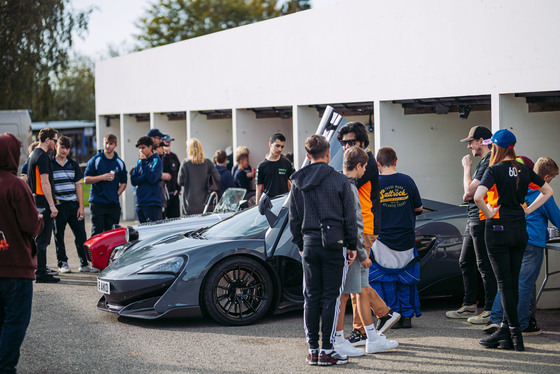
(237, 291)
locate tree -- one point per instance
(35, 39)
(73, 96)
(169, 21)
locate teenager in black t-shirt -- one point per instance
(273, 174)
(40, 180)
(505, 184)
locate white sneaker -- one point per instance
(346, 348)
(380, 344)
(88, 269)
(64, 268)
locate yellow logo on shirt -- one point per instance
(393, 196)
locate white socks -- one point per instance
(371, 332)
(339, 337)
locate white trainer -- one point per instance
(380, 344)
(346, 348)
(64, 268)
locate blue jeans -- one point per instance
(530, 269)
(15, 312)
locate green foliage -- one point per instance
(74, 93)
(169, 21)
(35, 39)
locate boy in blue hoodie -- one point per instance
(537, 224)
(146, 176)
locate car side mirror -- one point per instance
(265, 206)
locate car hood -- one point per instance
(166, 227)
(171, 246)
(443, 212)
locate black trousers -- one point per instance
(103, 217)
(474, 259)
(323, 278)
(68, 214)
(506, 240)
(173, 209)
(43, 240)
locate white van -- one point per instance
(17, 122)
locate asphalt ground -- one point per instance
(68, 334)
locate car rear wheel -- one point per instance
(237, 291)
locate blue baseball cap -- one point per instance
(503, 138)
(155, 132)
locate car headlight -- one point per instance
(131, 234)
(171, 266)
(116, 253)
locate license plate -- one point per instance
(103, 287)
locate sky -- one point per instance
(112, 23)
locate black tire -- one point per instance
(237, 291)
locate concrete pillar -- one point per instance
(305, 124)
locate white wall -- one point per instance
(428, 148)
(214, 134)
(176, 128)
(431, 48)
(255, 133)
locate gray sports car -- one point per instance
(245, 266)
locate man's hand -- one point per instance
(80, 214)
(107, 176)
(165, 176)
(467, 162)
(351, 255)
(366, 263)
(54, 211)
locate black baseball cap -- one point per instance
(155, 132)
(478, 132)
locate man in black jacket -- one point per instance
(319, 194)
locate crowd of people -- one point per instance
(354, 229)
(508, 214)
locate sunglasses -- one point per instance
(350, 142)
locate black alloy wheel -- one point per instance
(237, 291)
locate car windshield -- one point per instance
(230, 200)
(247, 224)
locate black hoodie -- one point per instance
(318, 190)
(19, 221)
